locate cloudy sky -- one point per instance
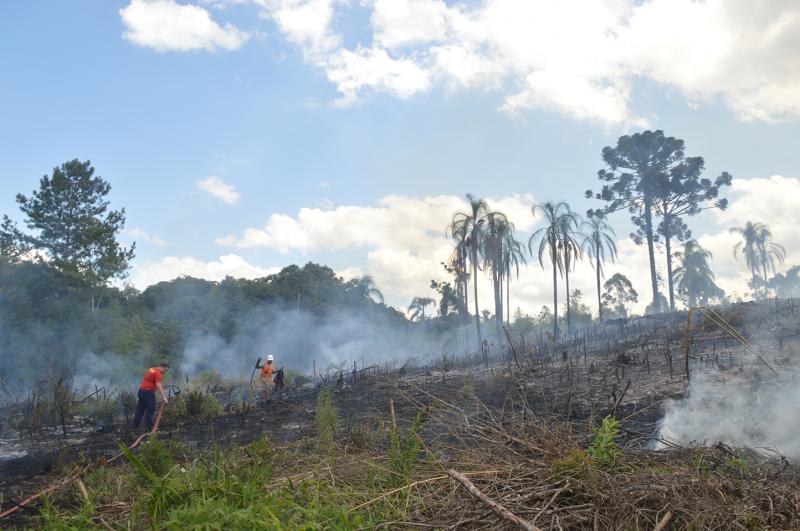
(245, 135)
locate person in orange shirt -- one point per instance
(266, 375)
(147, 395)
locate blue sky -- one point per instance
(253, 97)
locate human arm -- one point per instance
(160, 389)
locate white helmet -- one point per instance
(270, 358)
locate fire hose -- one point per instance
(72, 477)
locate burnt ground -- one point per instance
(627, 369)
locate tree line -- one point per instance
(63, 293)
(646, 174)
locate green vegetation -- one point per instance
(603, 449)
(164, 485)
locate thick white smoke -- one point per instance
(745, 407)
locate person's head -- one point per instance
(163, 367)
(270, 358)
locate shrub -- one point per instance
(603, 449)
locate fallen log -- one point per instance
(493, 505)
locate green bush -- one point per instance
(603, 449)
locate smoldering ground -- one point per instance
(747, 406)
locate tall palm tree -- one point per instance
(458, 265)
(473, 221)
(570, 249)
(598, 243)
(758, 249)
(769, 252)
(513, 257)
(548, 237)
(366, 288)
(694, 277)
(497, 230)
(417, 307)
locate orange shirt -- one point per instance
(151, 378)
(266, 371)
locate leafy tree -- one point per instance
(523, 323)
(11, 243)
(617, 292)
(683, 193)
(759, 250)
(637, 168)
(73, 226)
(471, 225)
(449, 298)
(598, 243)
(550, 241)
(417, 307)
(544, 319)
(694, 276)
(787, 285)
(581, 315)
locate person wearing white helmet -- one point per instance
(266, 374)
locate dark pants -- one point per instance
(147, 407)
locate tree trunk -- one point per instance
(475, 296)
(599, 300)
(498, 305)
(764, 267)
(668, 248)
(555, 294)
(648, 224)
(508, 300)
(566, 276)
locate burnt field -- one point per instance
(603, 432)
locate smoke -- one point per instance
(300, 340)
(744, 407)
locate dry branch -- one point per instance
(493, 505)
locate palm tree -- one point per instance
(570, 249)
(497, 230)
(758, 249)
(458, 265)
(513, 257)
(549, 242)
(694, 276)
(366, 289)
(471, 225)
(598, 242)
(417, 307)
(768, 253)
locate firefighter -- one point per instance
(147, 395)
(266, 374)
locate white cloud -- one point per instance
(166, 25)
(217, 188)
(141, 235)
(170, 267)
(404, 237)
(575, 57)
(402, 242)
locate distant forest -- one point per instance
(64, 300)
